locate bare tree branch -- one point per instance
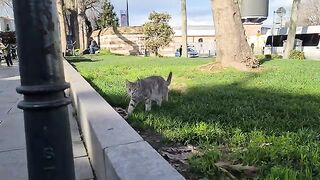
(309, 11)
(6, 3)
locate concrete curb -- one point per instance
(116, 150)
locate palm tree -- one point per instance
(184, 28)
(292, 29)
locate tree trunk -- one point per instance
(60, 9)
(74, 27)
(184, 27)
(292, 29)
(82, 33)
(233, 49)
(72, 19)
(85, 29)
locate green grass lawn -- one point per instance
(269, 118)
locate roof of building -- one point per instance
(200, 30)
(6, 17)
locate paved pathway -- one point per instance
(13, 162)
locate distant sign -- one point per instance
(123, 18)
(258, 33)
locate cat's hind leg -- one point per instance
(166, 97)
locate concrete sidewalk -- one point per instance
(13, 161)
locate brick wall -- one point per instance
(130, 41)
(123, 40)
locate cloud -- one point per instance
(274, 5)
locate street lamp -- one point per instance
(47, 131)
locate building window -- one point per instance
(200, 40)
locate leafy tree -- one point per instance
(158, 33)
(107, 18)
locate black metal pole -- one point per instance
(48, 137)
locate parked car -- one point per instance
(191, 53)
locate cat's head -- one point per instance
(132, 88)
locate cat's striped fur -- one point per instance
(153, 88)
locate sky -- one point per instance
(199, 12)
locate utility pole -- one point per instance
(47, 131)
(272, 32)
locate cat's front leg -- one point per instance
(148, 104)
(131, 107)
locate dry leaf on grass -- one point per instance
(233, 170)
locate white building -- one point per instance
(6, 24)
(201, 38)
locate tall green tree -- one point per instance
(107, 18)
(158, 33)
(292, 29)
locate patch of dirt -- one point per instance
(176, 154)
(212, 67)
(180, 87)
(121, 111)
(218, 67)
(236, 171)
(179, 84)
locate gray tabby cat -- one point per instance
(153, 88)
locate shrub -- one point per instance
(294, 54)
(264, 58)
(77, 52)
(105, 52)
(276, 56)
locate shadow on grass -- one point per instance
(78, 59)
(231, 106)
(265, 59)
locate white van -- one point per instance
(308, 37)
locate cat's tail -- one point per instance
(169, 78)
